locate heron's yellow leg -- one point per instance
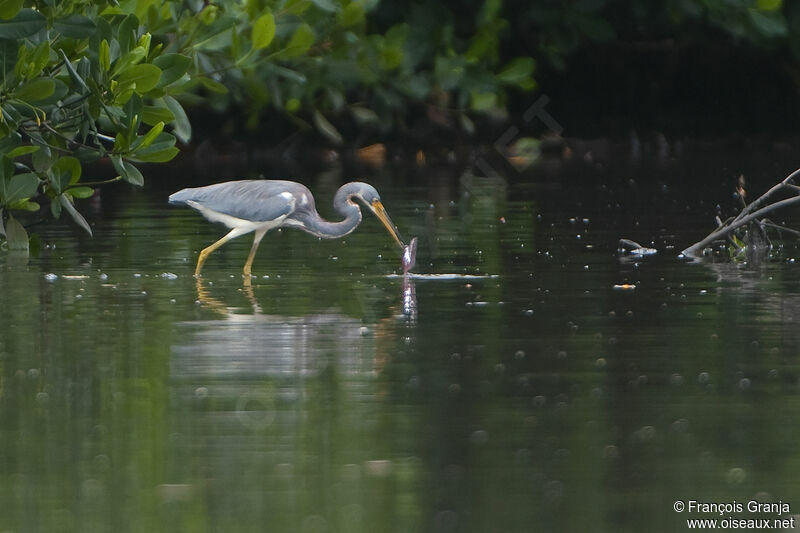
(249, 263)
(207, 251)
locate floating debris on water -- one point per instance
(629, 247)
(624, 287)
(50, 276)
(75, 277)
(169, 275)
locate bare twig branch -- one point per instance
(697, 248)
(785, 184)
(780, 228)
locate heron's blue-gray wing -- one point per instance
(254, 200)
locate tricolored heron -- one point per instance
(261, 205)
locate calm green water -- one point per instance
(333, 397)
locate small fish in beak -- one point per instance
(409, 255)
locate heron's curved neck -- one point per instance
(333, 230)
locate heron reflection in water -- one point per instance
(262, 205)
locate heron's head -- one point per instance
(367, 194)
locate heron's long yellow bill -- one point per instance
(380, 212)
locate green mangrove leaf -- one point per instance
(104, 31)
(21, 150)
(127, 60)
(66, 201)
(21, 187)
(39, 58)
(263, 31)
(72, 72)
(121, 142)
(518, 71)
(326, 5)
(81, 192)
(9, 8)
(351, 15)
(127, 33)
(124, 93)
(151, 115)
(301, 41)
(75, 26)
(27, 205)
(364, 115)
(16, 236)
(36, 90)
(132, 115)
(60, 90)
(6, 172)
(209, 14)
(173, 67)
(466, 123)
(769, 5)
(768, 24)
(104, 56)
(296, 7)
(483, 101)
(161, 149)
(145, 76)
(69, 170)
(289, 74)
(212, 85)
(145, 140)
(182, 128)
(144, 42)
(26, 23)
(217, 35)
(21, 68)
(150, 155)
(55, 209)
(127, 171)
(236, 43)
(42, 159)
(327, 129)
(449, 71)
(391, 57)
